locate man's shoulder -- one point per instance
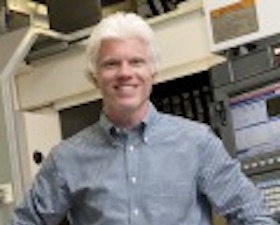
(179, 129)
(80, 141)
(179, 122)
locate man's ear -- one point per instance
(92, 78)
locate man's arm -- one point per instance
(230, 192)
(47, 202)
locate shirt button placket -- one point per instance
(135, 212)
(133, 180)
(132, 174)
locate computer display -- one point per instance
(256, 121)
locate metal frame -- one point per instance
(9, 95)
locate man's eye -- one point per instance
(109, 64)
(137, 62)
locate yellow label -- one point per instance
(231, 8)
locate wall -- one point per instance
(2, 16)
(5, 170)
(8, 43)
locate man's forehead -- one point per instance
(133, 46)
(122, 39)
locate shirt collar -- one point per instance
(146, 123)
(150, 116)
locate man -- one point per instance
(136, 165)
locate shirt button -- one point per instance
(131, 148)
(136, 212)
(145, 139)
(133, 180)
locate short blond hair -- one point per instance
(121, 26)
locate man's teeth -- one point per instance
(126, 87)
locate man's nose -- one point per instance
(125, 69)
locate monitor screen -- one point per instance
(256, 121)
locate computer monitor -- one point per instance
(246, 114)
(256, 121)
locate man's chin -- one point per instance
(126, 107)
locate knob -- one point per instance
(38, 157)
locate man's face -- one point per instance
(124, 74)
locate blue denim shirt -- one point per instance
(166, 171)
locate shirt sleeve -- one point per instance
(47, 201)
(229, 191)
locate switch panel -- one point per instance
(6, 193)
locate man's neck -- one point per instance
(127, 119)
